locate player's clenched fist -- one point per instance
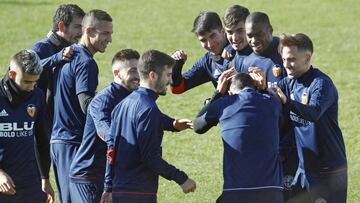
(188, 186)
(179, 54)
(7, 185)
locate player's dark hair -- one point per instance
(300, 40)
(93, 18)
(28, 62)
(235, 14)
(241, 80)
(156, 61)
(205, 22)
(258, 18)
(125, 55)
(66, 13)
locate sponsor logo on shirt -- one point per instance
(3, 113)
(14, 129)
(31, 110)
(298, 119)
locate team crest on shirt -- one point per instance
(31, 110)
(276, 70)
(304, 97)
(320, 200)
(288, 179)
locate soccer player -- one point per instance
(55, 50)
(137, 127)
(234, 24)
(265, 54)
(250, 133)
(312, 99)
(208, 29)
(76, 86)
(266, 57)
(21, 120)
(88, 167)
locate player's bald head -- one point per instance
(256, 18)
(93, 18)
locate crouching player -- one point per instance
(22, 118)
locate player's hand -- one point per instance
(67, 53)
(224, 79)
(188, 186)
(47, 188)
(106, 197)
(226, 55)
(278, 93)
(179, 54)
(258, 76)
(182, 124)
(7, 186)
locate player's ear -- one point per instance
(308, 57)
(116, 72)
(152, 76)
(89, 31)
(12, 74)
(61, 26)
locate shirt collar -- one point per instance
(148, 92)
(271, 48)
(120, 89)
(306, 75)
(245, 51)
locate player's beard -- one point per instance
(160, 87)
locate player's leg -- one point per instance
(85, 192)
(63, 155)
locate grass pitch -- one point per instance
(165, 25)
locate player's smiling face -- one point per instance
(236, 35)
(296, 62)
(259, 36)
(101, 36)
(213, 41)
(129, 75)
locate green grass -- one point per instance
(165, 25)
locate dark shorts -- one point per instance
(251, 196)
(86, 192)
(133, 198)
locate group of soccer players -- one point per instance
(277, 113)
